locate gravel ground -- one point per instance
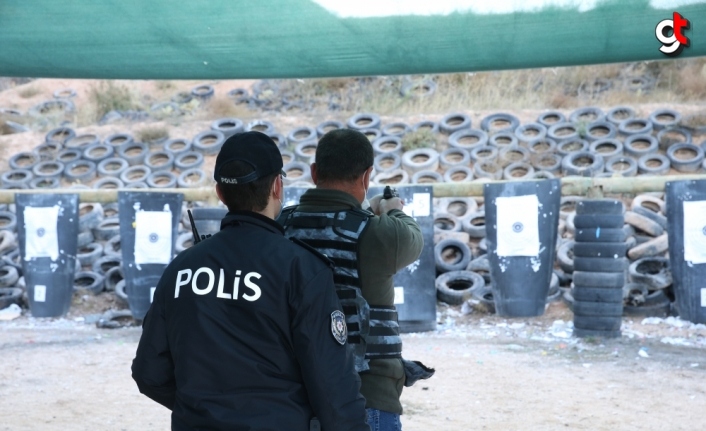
(492, 374)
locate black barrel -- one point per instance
(48, 259)
(142, 271)
(686, 226)
(521, 278)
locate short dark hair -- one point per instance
(343, 155)
(252, 196)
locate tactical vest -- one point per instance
(373, 330)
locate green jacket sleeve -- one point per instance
(407, 236)
(390, 242)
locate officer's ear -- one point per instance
(366, 177)
(278, 187)
(219, 193)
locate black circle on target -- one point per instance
(154, 237)
(41, 232)
(517, 227)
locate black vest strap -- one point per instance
(346, 280)
(383, 351)
(383, 331)
(346, 293)
(379, 314)
(353, 339)
(344, 263)
(327, 243)
(311, 222)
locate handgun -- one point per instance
(390, 192)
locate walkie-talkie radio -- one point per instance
(197, 238)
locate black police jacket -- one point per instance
(240, 336)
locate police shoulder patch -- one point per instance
(338, 327)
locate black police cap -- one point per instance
(253, 148)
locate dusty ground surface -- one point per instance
(492, 374)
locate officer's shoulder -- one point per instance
(314, 252)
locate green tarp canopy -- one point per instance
(230, 39)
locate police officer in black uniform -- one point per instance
(245, 331)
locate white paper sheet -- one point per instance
(419, 207)
(703, 297)
(40, 293)
(695, 231)
(421, 204)
(153, 237)
(41, 237)
(518, 226)
(399, 295)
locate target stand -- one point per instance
(47, 226)
(686, 226)
(148, 231)
(521, 219)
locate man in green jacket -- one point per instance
(368, 248)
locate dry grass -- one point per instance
(691, 82)
(106, 96)
(421, 138)
(561, 88)
(695, 121)
(221, 106)
(29, 91)
(152, 133)
(670, 81)
(163, 85)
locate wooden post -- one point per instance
(592, 187)
(111, 195)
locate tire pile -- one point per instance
(460, 253)
(73, 161)
(607, 258)
(587, 142)
(645, 262)
(599, 268)
(86, 161)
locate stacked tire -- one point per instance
(650, 291)
(599, 268)
(649, 222)
(462, 268)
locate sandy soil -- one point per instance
(492, 374)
